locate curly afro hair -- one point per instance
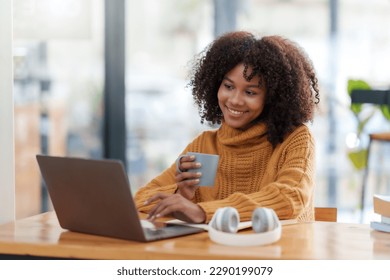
(291, 84)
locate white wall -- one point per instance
(7, 166)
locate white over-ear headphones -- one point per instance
(224, 225)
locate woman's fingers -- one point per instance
(187, 183)
(186, 177)
(156, 197)
(159, 210)
(188, 162)
(178, 206)
(188, 187)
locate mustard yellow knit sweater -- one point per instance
(250, 173)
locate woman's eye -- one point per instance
(228, 86)
(250, 92)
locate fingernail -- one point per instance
(196, 181)
(199, 174)
(192, 157)
(158, 216)
(146, 202)
(198, 164)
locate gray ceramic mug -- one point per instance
(208, 169)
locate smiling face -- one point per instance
(241, 101)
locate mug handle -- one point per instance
(178, 164)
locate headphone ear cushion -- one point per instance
(226, 219)
(264, 219)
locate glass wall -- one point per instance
(58, 87)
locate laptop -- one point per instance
(94, 196)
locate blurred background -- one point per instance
(64, 88)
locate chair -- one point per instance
(378, 97)
(325, 214)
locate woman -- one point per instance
(262, 91)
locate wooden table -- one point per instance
(41, 236)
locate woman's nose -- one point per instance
(236, 98)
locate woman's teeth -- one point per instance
(235, 112)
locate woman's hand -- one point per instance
(186, 181)
(177, 205)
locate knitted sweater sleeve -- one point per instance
(288, 189)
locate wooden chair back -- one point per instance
(325, 214)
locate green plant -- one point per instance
(358, 108)
(358, 155)
(385, 111)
